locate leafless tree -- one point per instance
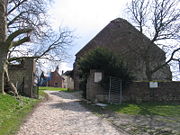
(24, 32)
(158, 20)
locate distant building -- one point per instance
(53, 80)
(68, 80)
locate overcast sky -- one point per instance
(86, 18)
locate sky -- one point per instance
(85, 18)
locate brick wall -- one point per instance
(140, 91)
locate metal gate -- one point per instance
(115, 90)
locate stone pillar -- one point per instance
(93, 89)
(76, 76)
(29, 64)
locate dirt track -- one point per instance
(63, 115)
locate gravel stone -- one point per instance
(63, 115)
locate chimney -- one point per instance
(57, 69)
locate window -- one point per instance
(56, 84)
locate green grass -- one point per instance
(161, 109)
(53, 88)
(13, 111)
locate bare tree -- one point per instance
(24, 25)
(158, 20)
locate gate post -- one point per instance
(120, 91)
(109, 89)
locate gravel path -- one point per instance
(63, 115)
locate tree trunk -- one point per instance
(13, 88)
(3, 59)
(1, 78)
(3, 37)
(3, 20)
(148, 67)
(149, 75)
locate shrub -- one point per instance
(105, 61)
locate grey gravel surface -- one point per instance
(63, 115)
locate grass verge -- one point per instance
(160, 109)
(55, 89)
(13, 111)
(165, 114)
(153, 109)
(52, 89)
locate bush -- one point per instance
(105, 61)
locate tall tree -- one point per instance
(158, 20)
(23, 21)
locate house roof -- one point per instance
(117, 36)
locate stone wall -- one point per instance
(136, 92)
(68, 82)
(76, 76)
(93, 89)
(23, 75)
(140, 91)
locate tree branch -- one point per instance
(16, 6)
(17, 33)
(20, 58)
(19, 42)
(15, 18)
(170, 59)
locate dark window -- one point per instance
(56, 84)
